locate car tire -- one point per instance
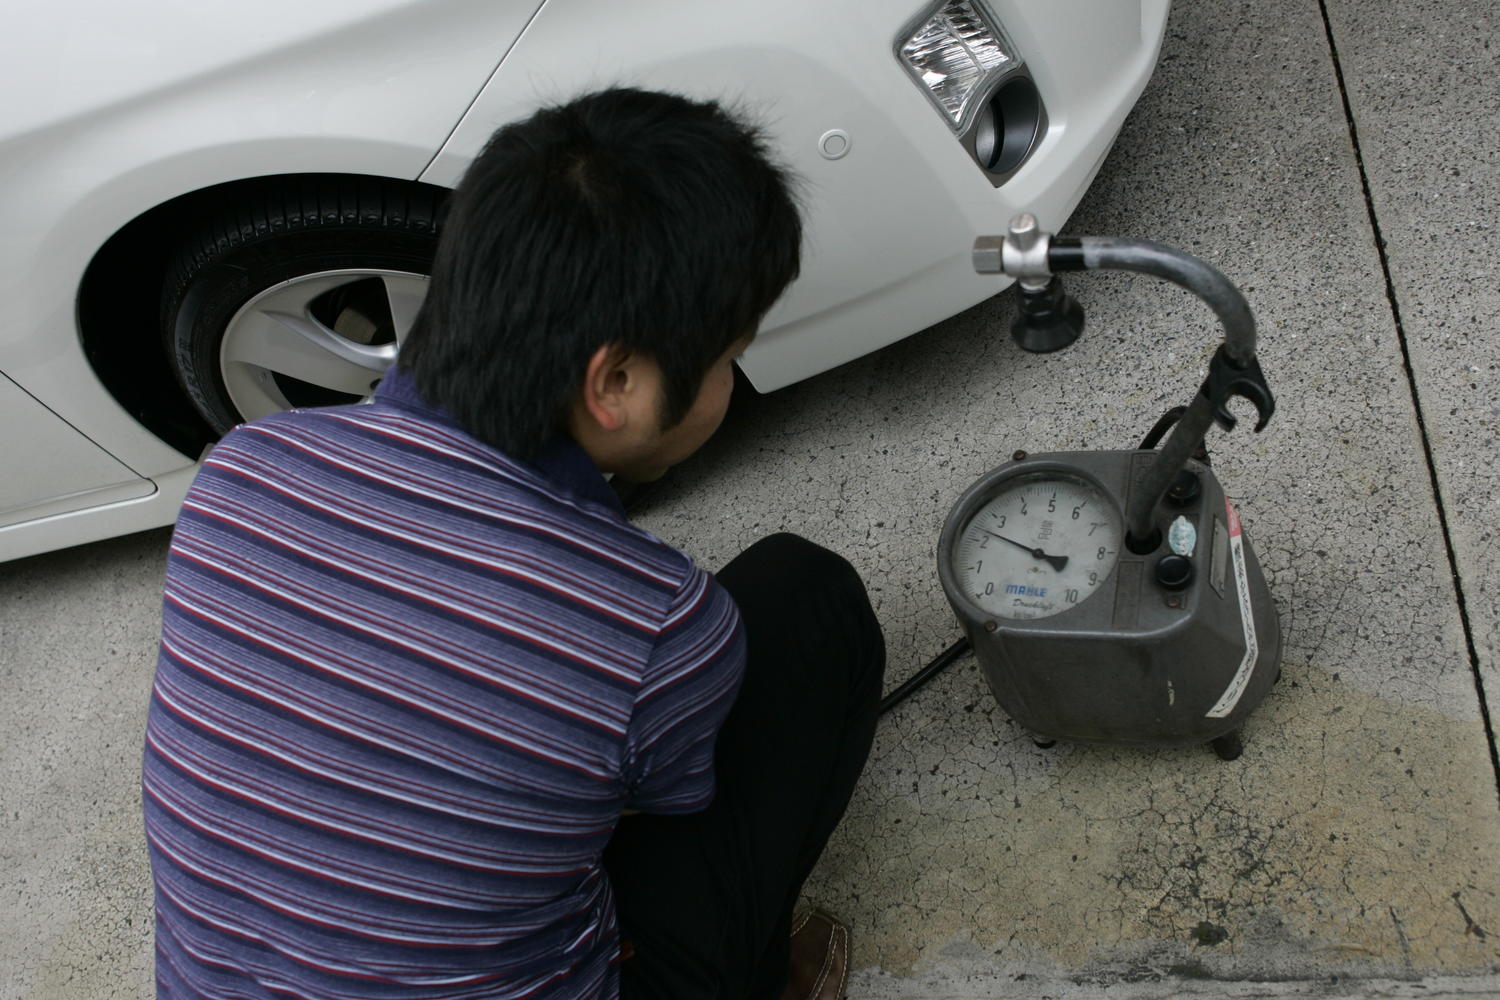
(297, 294)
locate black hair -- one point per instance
(625, 217)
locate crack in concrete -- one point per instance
(1470, 927)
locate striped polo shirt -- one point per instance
(406, 686)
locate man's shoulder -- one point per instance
(397, 476)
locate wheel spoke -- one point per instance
(295, 344)
(404, 293)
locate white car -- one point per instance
(216, 210)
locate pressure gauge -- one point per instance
(1078, 634)
(1036, 545)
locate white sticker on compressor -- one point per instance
(1236, 689)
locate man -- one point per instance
(431, 718)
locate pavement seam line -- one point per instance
(1416, 398)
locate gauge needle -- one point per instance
(1058, 562)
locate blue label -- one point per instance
(1016, 588)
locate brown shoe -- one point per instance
(820, 958)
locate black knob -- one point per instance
(1185, 489)
(1174, 572)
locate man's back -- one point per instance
(406, 687)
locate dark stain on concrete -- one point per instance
(1208, 935)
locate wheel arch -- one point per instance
(119, 300)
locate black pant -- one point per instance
(706, 899)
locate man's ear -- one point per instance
(609, 382)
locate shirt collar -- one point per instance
(561, 461)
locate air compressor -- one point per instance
(1113, 596)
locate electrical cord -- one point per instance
(944, 660)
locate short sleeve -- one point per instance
(686, 691)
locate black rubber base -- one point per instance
(1228, 746)
(1047, 319)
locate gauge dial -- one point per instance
(1039, 546)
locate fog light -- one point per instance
(954, 52)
